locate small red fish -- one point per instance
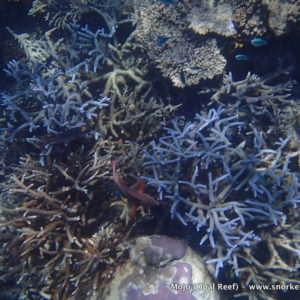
(136, 197)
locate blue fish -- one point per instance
(161, 40)
(117, 193)
(195, 68)
(258, 42)
(241, 57)
(168, 2)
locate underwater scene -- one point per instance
(149, 149)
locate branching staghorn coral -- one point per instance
(63, 94)
(53, 104)
(279, 265)
(60, 241)
(136, 111)
(126, 65)
(56, 12)
(211, 178)
(267, 98)
(54, 97)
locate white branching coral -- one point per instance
(212, 181)
(53, 96)
(57, 12)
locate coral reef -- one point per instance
(59, 201)
(93, 83)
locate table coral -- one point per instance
(261, 17)
(184, 58)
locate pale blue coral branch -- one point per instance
(221, 169)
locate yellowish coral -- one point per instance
(183, 56)
(218, 19)
(282, 14)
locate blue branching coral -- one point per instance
(53, 96)
(205, 170)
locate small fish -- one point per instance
(194, 68)
(161, 40)
(136, 197)
(241, 57)
(168, 2)
(258, 42)
(117, 193)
